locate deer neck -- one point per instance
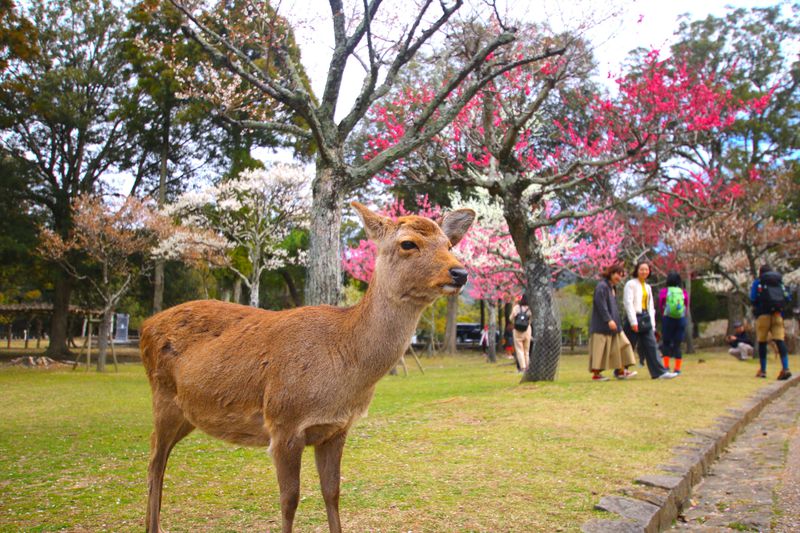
(384, 326)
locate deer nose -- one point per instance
(459, 276)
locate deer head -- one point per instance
(415, 262)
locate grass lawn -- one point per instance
(462, 448)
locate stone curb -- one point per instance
(655, 501)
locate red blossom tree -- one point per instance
(537, 135)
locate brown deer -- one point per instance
(299, 377)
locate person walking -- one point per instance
(640, 312)
(521, 318)
(769, 297)
(673, 303)
(608, 345)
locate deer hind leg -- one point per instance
(170, 427)
(287, 453)
(328, 456)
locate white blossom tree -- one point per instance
(249, 217)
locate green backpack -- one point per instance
(675, 308)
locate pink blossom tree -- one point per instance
(537, 135)
(496, 271)
(581, 247)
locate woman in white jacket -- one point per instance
(640, 315)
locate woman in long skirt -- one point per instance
(608, 345)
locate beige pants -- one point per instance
(770, 324)
(742, 351)
(522, 347)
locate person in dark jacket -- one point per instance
(769, 297)
(740, 342)
(608, 345)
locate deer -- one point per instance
(297, 377)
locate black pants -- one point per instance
(644, 342)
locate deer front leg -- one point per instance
(328, 456)
(287, 454)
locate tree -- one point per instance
(181, 117)
(748, 49)
(581, 247)
(104, 250)
(16, 33)
(253, 215)
(751, 50)
(60, 114)
(539, 132)
(385, 57)
(731, 244)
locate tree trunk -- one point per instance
(735, 309)
(324, 258)
(255, 287)
(546, 342)
(102, 339)
(491, 347)
(158, 286)
(483, 313)
(689, 335)
(158, 277)
(292, 287)
(58, 326)
(450, 324)
(237, 291)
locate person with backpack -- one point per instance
(769, 298)
(521, 318)
(673, 303)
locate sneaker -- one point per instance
(628, 374)
(667, 375)
(784, 375)
(677, 372)
(761, 374)
(598, 377)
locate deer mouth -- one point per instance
(450, 288)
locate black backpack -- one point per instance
(771, 297)
(522, 320)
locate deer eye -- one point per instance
(408, 245)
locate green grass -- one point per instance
(462, 448)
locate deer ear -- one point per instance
(375, 225)
(456, 223)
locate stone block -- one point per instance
(641, 512)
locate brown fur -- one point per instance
(294, 378)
